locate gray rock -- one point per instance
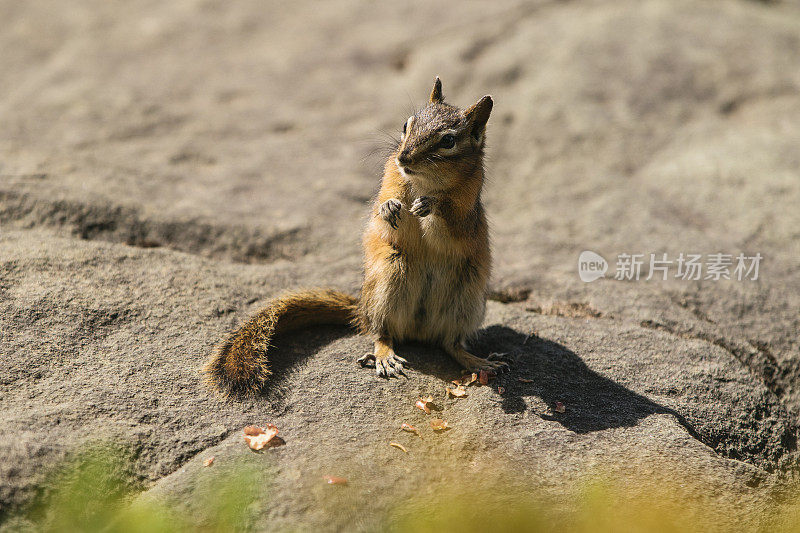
(166, 170)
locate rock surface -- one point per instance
(165, 168)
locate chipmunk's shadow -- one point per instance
(289, 351)
(592, 402)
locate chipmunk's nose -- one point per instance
(404, 158)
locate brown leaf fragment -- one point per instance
(422, 404)
(437, 424)
(398, 446)
(457, 392)
(257, 437)
(485, 375)
(209, 461)
(560, 408)
(410, 429)
(334, 480)
(501, 390)
(524, 380)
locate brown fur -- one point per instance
(426, 257)
(240, 363)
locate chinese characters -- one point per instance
(714, 266)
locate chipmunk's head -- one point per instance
(442, 144)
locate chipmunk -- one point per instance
(426, 258)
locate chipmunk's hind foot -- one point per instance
(474, 363)
(387, 363)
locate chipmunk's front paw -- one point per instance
(390, 211)
(422, 206)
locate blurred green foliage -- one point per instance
(600, 506)
(93, 493)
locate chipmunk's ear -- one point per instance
(436, 93)
(477, 116)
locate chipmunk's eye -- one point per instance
(405, 127)
(447, 142)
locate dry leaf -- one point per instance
(257, 437)
(485, 375)
(457, 392)
(523, 380)
(410, 429)
(398, 446)
(333, 480)
(437, 424)
(422, 403)
(560, 407)
(466, 379)
(209, 461)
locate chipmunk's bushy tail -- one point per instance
(241, 363)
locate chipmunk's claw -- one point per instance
(365, 359)
(390, 367)
(497, 365)
(422, 206)
(390, 211)
(500, 362)
(385, 367)
(472, 363)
